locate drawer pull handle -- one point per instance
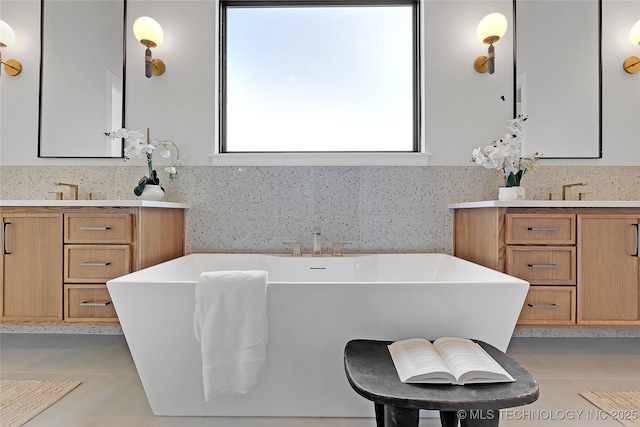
(94, 304)
(4, 232)
(543, 305)
(543, 265)
(94, 264)
(637, 254)
(95, 228)
(543, 229)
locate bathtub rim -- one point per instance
(499, 276)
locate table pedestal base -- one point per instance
(489, 418)
(390, 416)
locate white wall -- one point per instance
(464, 109)
(621, 91)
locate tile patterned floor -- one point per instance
(112, 395)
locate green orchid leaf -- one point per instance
(154, 178)
(138, 190)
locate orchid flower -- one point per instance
(504, 154)
(138, 146)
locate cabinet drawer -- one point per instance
(95, 228)
(542, 265)
(96, 263)
(88, 302)
(549, 304)
(554, 229)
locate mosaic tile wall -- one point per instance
(377, 209)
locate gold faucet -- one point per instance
(296, 248)
(566, 189)
(73, 190)
(336, 248)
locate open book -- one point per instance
(447, 361)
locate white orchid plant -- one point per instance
(504, 155)
(140, 146)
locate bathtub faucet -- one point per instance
(337, 248)
(317, 242)
(296, 248)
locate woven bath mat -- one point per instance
(623, 406)
(21, 400)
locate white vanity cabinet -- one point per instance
(58, 255)
(580, 257)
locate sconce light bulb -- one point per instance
(491, 28)
(634, 34)
(7, 36)
(148, 31)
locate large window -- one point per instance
(313, 76)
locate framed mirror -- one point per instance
(82, 77)
(558, 76)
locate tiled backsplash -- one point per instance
(377, 209)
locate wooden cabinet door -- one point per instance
(608, 269)
(31, 287)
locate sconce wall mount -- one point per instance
(632, 64)
(490, 29)
(149, 33)
(12, 67)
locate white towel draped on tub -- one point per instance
(232, 328)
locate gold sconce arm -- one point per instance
(13, 67)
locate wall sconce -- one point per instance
(149, 33)
(632, 64)
(490, 30)
(12, 67)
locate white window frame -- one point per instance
(417, 158)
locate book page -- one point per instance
(465, 356)
(417, 358)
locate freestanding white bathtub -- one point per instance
(315, 305)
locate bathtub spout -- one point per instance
(296, 248)
(317, 242)
(337, 248)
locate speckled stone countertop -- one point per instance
(547, 204)
(97, 203)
